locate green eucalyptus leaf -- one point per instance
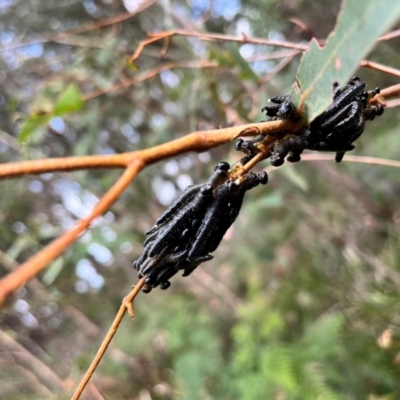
(69, 101)
(359, 25)
(31, 124)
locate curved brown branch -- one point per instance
(199, 141)
(380, 67)
(214, 36)
(356, 159)
(34, 265)
(348, 158)
(126, 304)
(393, 103)
(390, 92)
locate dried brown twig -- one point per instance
(151, 74)
(391, 92)
(62, 36)
(155, 37)
(380, 67)
(167, 35)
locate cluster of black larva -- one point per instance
(194, 225)
(334, 130)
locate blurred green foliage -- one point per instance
(301, 300)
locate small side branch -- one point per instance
(214, 36)
(390, 92)
(151, 74)
(126, 305)
(380, 67)
(34, 265)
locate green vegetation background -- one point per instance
(302, 299)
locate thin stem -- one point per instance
(390, 92)
(151, 74)
(59, 37)
(355, 159)
(393, 103)
(214, 36)
(380, 67)
(390, 35)
(107, 340)
(251, 164)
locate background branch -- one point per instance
(126, 305)
(34, 265)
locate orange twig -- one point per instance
(128, 300)
(197, 141)
(34, 265)
(107, 340)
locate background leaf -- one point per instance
(30, 125)
(69, 101)
(246, 72)
(359, 24)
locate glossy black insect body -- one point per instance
(219, 176)
(193, 227)
(223, 212)
(283, 109)
(335, 129)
